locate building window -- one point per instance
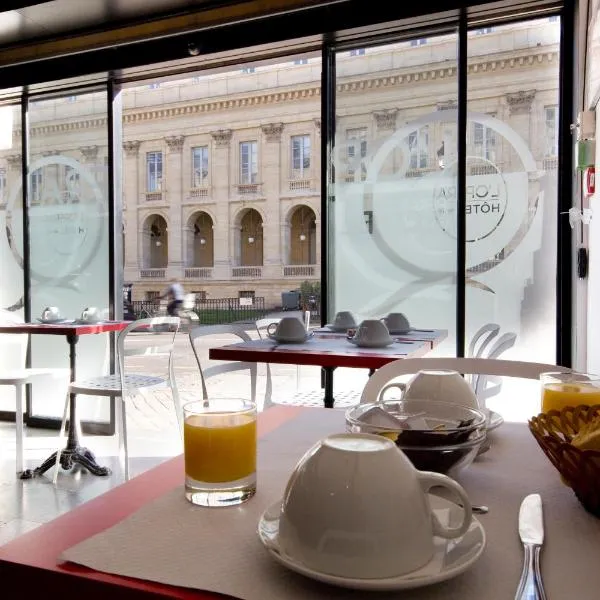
(301, 61)
(71, 183)
(357, 52)
(553, 19)
(200, 166)
(484, 142)
(71, 99)
(419, 42)
(153, 86)
(356, 151)
(154, 171)
(151, 295)
(484, 30)
(248, 162)
(551, 130)
(248, 70)
(247, 294)
(418, 148)
(300, 156)
(36, 183)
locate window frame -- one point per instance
(302, 170)
(157, 176)
(202, 181)
(252, 162)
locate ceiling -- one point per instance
(35, 19)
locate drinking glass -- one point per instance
(219, 439)
(569, 389)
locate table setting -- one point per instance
(340, 505)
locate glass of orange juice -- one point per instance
(569, 389)
(219, 442)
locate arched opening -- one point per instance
(201, 241)
(251, 239)
(303, 237)
(156, 243)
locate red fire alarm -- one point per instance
(590, 181)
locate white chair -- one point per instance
(311, 397)
(482, 366)
(153, 340)
(228, 334)
(19, 376)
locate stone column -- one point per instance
(385, 121)
(519, 105)
(14, 179)
(273, 226)
(133, 230)
(174, 198)
(90, 158)
(220, 190)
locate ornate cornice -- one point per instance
(386, 119)
(272, 131)
(520, 102)
(222, 137)
(14, 162)
(131, 147)
(175, 143)
(90, 153)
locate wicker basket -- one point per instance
(580, 469)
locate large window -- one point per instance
(36, 182)
(300, 156)
(200, 166)
(248, 162)
(356, 151)
(154, 171)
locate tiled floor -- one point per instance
(153, 437)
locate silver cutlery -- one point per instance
(531, 532)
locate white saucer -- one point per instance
(399, 331)
(451, 557)
(366, 344)
(51, 321)
(335, 329)
(494, 420)
(285, 340)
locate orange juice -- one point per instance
(558, 395)
(219, 448)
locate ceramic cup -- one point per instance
(372, 331)
(344, 320)
(50, 313)
(396, 321)
(441, 385)
(289, 328)
(90, 315)
(356, 507)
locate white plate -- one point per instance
(365, 344)
(494, 420)
(284, 340)
(51, 321)
(335, 329)
(451, 557)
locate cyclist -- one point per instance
(175, 295)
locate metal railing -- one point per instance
(212, 311)
(197, 273)
(152, 273)
(299, 270)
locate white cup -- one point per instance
(356, 507)
(396, 321)
(344, 320)
(50, 313)
(90, 314)
(289, 328)
(441, 385)
(372, 331)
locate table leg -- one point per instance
(73, 453)
(328, 398)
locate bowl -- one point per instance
(451, 441)
(579, 469)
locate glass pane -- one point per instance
(68, 144)
(394, 216)
(12, 348)
(512, 188)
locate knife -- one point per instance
(531, 531)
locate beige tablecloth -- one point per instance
(171, 541)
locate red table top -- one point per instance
(321, 351)
(65, 328)
(30, 561)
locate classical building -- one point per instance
(222, 171)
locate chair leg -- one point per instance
(61, 438)
(123, 447)
(178, 406)
(19, 424)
